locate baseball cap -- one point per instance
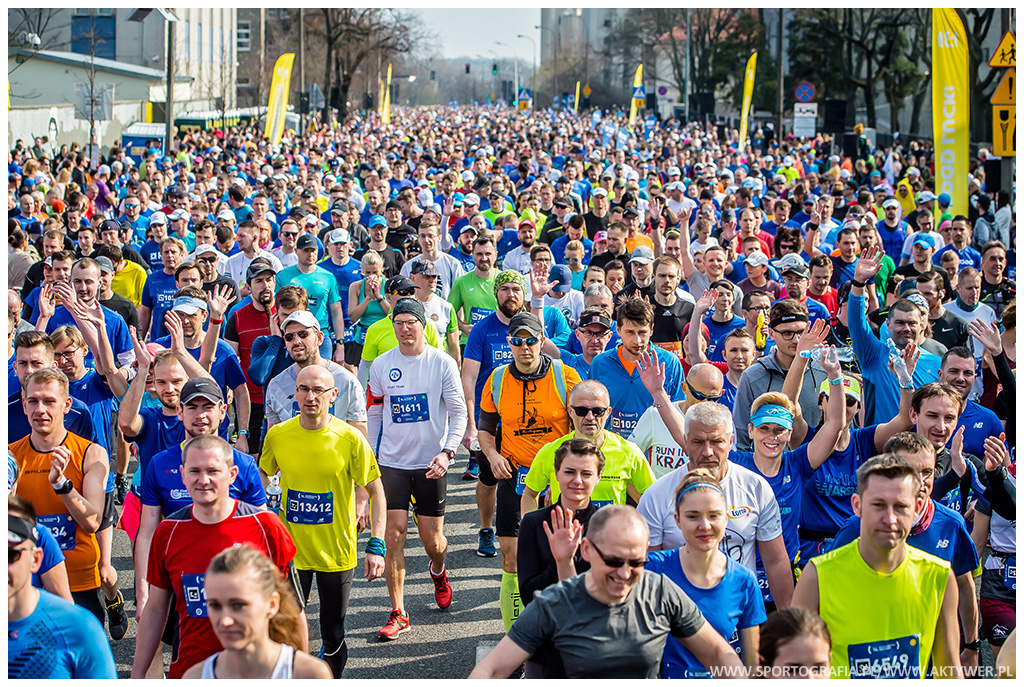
(631, 211)
(458, 199)
(159, 218)
(106, 266)
(595, 318)
(19, 530)
(560, 277)
(180, 213)
(562, 203)
(257, 268)
(757, 259)
(189, 305)
(643, 255)
(791, 262)
(945, 200)
(601, 236)
(339, 236)
(468, 175)
(426, 268)
(306, 241)
(393, 205)
(201, 387)
(377, 221)
(226, 215)
(110, 225)
(302, 317)
(674, 171)
(396, 284)
(926, 196)
(527, 321)
(924, 240)
(600, 192)
(850, 385)
(527, 222)
(471, 199)
(204, 248)
(339, 207)
(890, 203)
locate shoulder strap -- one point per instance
(496, 379)
(559, 373)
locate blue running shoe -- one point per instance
(486, 549)
(472, 470)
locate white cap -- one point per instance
(471, 199)
(226, 214)
(303, 317)
(158, 218)
(339, 236)
(674, 171)
(468, 175)
(180, 213)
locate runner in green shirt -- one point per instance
(472, 294)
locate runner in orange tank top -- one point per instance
(63, 477)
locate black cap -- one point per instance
(19, 530)
(258, 267)
(595, 318)
(306, 241)
(562, 203)
(110, 225)
(527, 321)
(396, 284)
(426, 268)
(201, 387)
(339, 206)
(393, 205)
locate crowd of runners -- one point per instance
(760, 399)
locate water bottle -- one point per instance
(474, 445)
(896, 358)
(760, 338)
(842, 354)
(274, 494)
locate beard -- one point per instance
(507, 310)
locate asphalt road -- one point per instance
(442, 644)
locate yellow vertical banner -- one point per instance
(951, 107)
(386, 115)
(380, 96)
(638, 93)
(748, 93)
(277, 106)
(576, 106)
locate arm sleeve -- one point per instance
(374, 410)
(1002, 494)
(455, 401)
(868, 349)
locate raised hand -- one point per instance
(818, 212)
(996, 453)
(173, 323)
(652, 372)
(831, 367)
(729, 230)
(448, 208)
(538, 284)
(564, 533)
(64, 291)
(219, 300)
(142, 356)
(373, 287)
(956, 452)
(706, 301)
(911, 354)
(814, 336)
(988, 335)
(46, 305)
(869, 264)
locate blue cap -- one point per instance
(924, 240)
(458, 199)
(945, 200)
(772, 414)
(560, 277)
(377, 221)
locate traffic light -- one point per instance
(433, 74)
(467, 67)
(494, 69)
(304, 102)
(367, 101)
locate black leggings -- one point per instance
(334, 588)
(89, 599)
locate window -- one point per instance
(94, 36)
(104, 11)
(83, 12)
(188, 42)
(244, 34)
(243, 81)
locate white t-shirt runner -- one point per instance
(652, 436)
(416, 407)
(753, 513)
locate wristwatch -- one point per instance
(243, 432)
(859, 284)
(64, 487)
(973, 646)
(448, 452)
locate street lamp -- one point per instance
(586, 39)
(533, 75)
(140, 15)
(542, 29)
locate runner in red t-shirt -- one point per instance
(186, 542)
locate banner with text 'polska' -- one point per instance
(951, 107)
(277, 106)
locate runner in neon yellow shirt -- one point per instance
(626, 470)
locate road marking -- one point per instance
(483, 649)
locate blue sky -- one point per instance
(467, 32)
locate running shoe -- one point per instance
(398, 622)
(121, 484)
(117, 619)
(442, 590)
(472, 471)
(485, 548)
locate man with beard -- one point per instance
(486, 349)
(393, 258)
(244, 326)
(959, 371)
(472, 295)
(518, 259)
(249, 250)
(158, 293)
(208, 259)
(106, 296)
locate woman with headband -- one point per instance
(724, 590)
(770, 427)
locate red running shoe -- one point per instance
(398, 622)
(442, 590)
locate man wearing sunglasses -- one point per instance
(302, 339)
(523, 406)
(591, 622)
(133, 215)
(625, 469)
(73, 641)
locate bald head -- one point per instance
(623, 523)
(314, 376)
(706, 379)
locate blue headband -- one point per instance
(774, 414)
(698, 485)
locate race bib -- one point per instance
(348, 336)
(195, 595)
(623, 423)
(673, 347)
(360, 335)
(887, 658)
(599, 504)
(63, 528)
(1010, 573)
(478, 314)
(762, 582)
(501, 354)
(521, 479)
(309, 508)
(410, 408)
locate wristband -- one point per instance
(836, 382)
(657, 405)
(859, 284)
(64, 487)
(973, 646)
(376, 546)
(243, 432)
(213, 321)
(536, 302)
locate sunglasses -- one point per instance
(14, 555)
(619, 562)
(851, 402)
(702, 397)
(302, 334)
(582, 411)
(207, 260)
(405, 292)
(131, 207)
(290, 234)
(518, 341)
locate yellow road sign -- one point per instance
(1006, 92)
(1005, 54)
(1004, 130)
(586, 91)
